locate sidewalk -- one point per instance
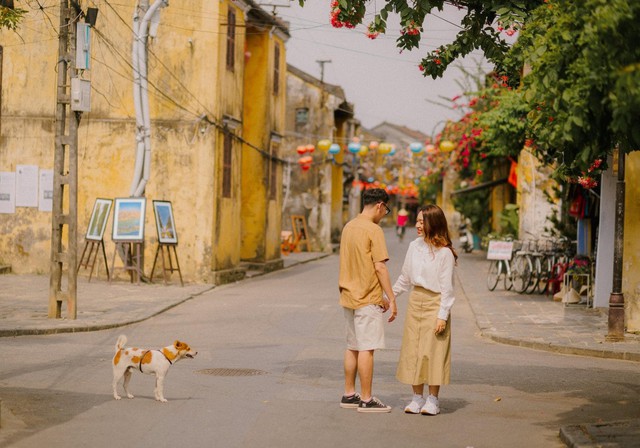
(24, 301)
(536, 321)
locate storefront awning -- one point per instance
(481, 186)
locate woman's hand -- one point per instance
(394, 310)
(441, 325)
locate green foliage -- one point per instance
(475, 206)
(481, 27)
(583, 91)
(510, 220)
(505, 124)
(428, 188)
(10, 18)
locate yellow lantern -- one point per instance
(384, 148)
(447, 146)
(324, 145)
(364, 149)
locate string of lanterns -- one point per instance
(356, 148)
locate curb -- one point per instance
(96, 327)
(544, 346)
(563, 349)
(595, 435)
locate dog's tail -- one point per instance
(122, 339)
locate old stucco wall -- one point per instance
(631, 265)
(182, 78)
(534, 186)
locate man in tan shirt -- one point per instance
(362, 280)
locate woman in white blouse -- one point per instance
(425, 356)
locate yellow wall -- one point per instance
(631, 264)
(264, 114)
(230, 91)
(187, 82)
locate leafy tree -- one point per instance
(481, 27)
(10, 17)
(583, 89)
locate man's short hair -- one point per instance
(374, 195)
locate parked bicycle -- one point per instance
(500, 254)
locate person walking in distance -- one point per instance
(425, 354)
(401, 223)
(362, 280)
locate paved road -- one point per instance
(287, 326)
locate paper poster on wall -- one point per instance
(46, 191)
(7, 192)
(26, 185)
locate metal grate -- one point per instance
(231, 372)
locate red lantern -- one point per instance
(301, 149)
(310, 148)
(305, 167)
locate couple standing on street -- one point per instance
(366, 293)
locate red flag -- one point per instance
(513, 174)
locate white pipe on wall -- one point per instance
(142, 169)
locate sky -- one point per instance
(382, 83)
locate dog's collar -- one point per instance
(145, 354)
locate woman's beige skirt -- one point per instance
(424, 357)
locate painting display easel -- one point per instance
(300, 232)
(168, 265)
(86, 263)
(128, 234)
(167, 239)
(94, 239)
(131, 252)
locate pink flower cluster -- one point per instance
(372, 33)
(508, 31)
(411, 29)
(587, 182)
(335, 17)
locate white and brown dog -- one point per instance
(146, 361)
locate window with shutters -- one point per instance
(231, 39)
(226, 165)
(276, 69)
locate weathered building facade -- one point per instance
(316, 111)
(215, 115)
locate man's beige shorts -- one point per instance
(365, 328)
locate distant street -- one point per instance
(286, 328)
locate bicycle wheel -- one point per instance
(508, 276)
(535, 275)
(521, 273)
(495, 268)
(545, 272)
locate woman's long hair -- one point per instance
(436, 230)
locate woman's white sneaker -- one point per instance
(431, 407)
(416, 405)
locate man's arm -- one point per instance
(385, 282)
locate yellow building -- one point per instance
(209, 127)
(315, 111)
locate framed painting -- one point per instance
(128, 219)
(99, 218)
(164, 222)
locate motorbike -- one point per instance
(466, 237)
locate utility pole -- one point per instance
(322, 62)
(615, 322)
(65, 174)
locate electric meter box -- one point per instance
(80, 95)
(83, 46)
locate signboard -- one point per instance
(500, 250)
